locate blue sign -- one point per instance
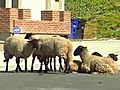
(16, 29)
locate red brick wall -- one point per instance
(56, 16)
(43, 27)
(8, 13)
(24, 14)
(53, 22)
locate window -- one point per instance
(2, 3)
(14, 3)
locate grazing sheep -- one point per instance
(92, 63)
(18, 47)
(35, 53)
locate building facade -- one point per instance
(41, 17)
(36, 6)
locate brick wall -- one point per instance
(43, 27)
(24, 14)
(53, 22)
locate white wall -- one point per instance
(8, 3)
(35, 5)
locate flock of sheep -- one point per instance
(46, 48)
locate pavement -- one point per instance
(62, 81)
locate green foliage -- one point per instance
(105, 14)
(107, 34)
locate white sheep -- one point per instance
(55, 46)
(18, 47)
(92, 63)
(39, 56)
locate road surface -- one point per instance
(61, 81)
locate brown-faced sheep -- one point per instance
(92, 63)
(18, 47)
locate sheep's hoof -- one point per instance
(6, 70)
(45, 71)
(26, 71)
(16, 70)
(21, 70)
(67, 72)
(40, 71)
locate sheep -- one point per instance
(75, 66)
(43, 38)
(18, 47)
(55, 46)
(111, 55)
(92, 63)
(97, 54)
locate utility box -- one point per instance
(77, 28)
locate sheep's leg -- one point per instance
(40, 66)
(41, 63)
(67, 67)
(51, 64)
(7, 61)
(18, 66)
(25, 65)
(33, 60)
(60, 62)
(46, 65)
(54, 64)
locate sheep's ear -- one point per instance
(28, 35)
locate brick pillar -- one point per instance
(24, 14)
(46, 15)
(50, 16)
(67, 16)
(56, 16)
(7, 15)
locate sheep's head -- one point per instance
(113, 56)
(79, 49)
(34, 43)
(97, 54)
(28, 35)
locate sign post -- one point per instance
(16, 30)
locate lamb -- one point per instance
(18, 47)
(55, 46)
(92, 63)
(35, 53)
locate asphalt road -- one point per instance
(58, 81)
(61, 81)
